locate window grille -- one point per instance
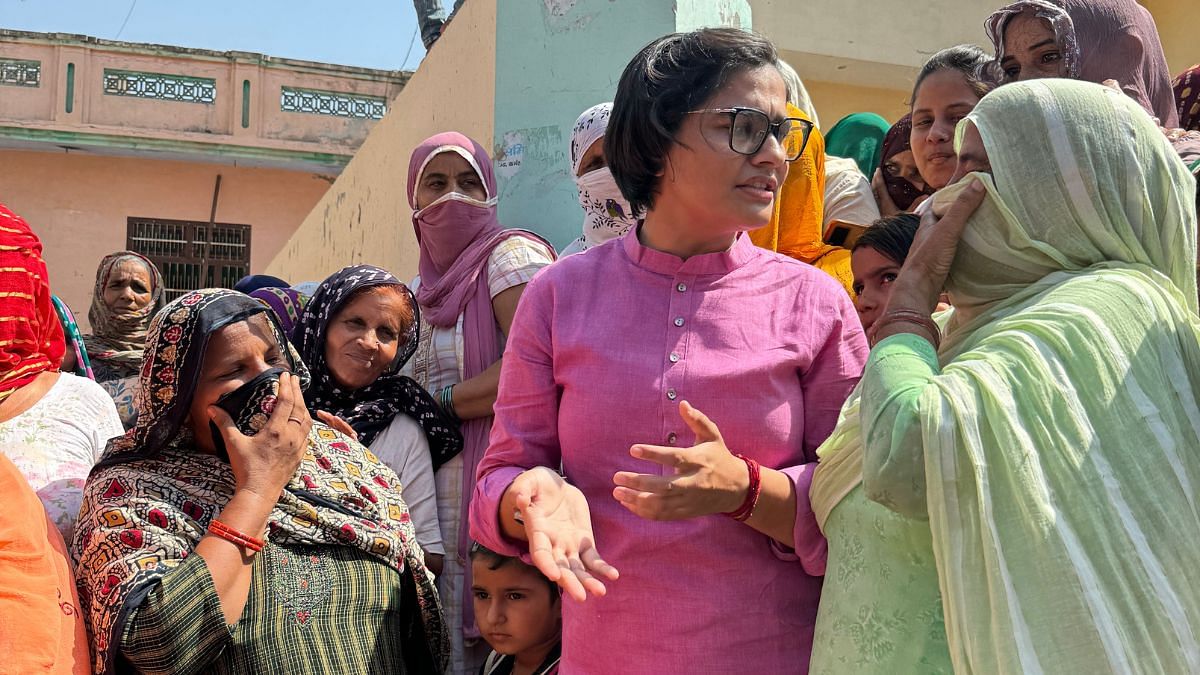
(16, 73)
(188, 255)
(160, 86)
(332, 103)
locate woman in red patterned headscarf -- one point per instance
(53, 426)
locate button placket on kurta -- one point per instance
(681, 306)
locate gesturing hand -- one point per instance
(558, 525)
(707, 477)
(265, 462)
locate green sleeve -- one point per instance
(179, 627)
(897, 376)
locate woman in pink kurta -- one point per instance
(705, 515)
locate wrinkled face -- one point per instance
(942, 100)
(1031, 49)
(593, 158)
(448, 172)
(904, 165)
(364, 336)
(514, 607)
(874, 274)
(713, 189)
(972, 156)
(235, 355)
(128, 287)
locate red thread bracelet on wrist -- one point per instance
(219, 529)
(743, 512)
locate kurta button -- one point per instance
(671, 394)
(671, 438)
(681, 287)
(674, 357)
(679, 321)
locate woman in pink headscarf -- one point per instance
(1090, 40)
(472, 273)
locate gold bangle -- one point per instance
(908, 316)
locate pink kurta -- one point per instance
(603, 347)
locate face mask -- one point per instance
(450, 223)
(607, 214)
(250, 405)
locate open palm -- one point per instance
(558, 525)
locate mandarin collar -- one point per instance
(718, 263)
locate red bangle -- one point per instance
(746, 510)
(219, 529)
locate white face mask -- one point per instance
(607, 214)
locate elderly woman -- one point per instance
(1048, 440)
(356, 333)
(473, 272)
(128, 287)
(718, 552)
(607, 214)
(228, 533)
(53, 425)
(1089, 40)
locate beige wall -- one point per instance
(851, 65)
(78, 205)
(365, 218)
(1177, 21)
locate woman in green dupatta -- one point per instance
(1050, 440)
(858, 136)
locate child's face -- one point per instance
(514, 607)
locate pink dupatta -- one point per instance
(454, 282)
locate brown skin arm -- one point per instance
(475, 397)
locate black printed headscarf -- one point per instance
(370, 409)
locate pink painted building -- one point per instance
(109, 145)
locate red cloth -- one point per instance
(31, 338)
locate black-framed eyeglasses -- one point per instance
(749, 127)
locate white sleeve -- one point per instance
(103, 420)
(404, 448)
(848, 197)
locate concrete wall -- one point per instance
(78, 109)
(581, 48)
(364, 217)
(79, 205)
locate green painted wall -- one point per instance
(554, 59)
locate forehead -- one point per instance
(760, 87)
(243, 338)
(448, 163)
(1027, 28)
(379, 302)
(866, 261)
(509, 575)
(129, 267)
(943, 89)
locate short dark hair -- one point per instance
(970, 60)
(495, 561)
(668, 78)
(891, 236)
